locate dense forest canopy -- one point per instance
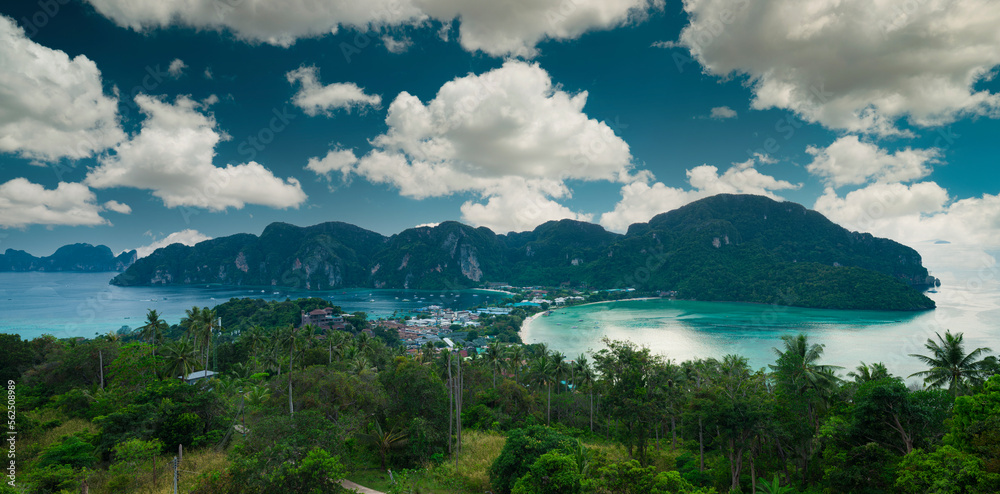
(296, 409)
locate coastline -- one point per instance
(527, 322)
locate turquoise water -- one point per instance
(84, 304)
(683, 330)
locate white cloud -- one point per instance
(172, 156)
(187, 237)
(856, 65)
(314, 98)
(397, 46)
(495, 28)
(208, 73)
(118, 207)
(176, 68)
(916, 213)
(641, 201)
(340, 160)
(520, 205)
(427, 225)
(722, 113)
(24, 203)
(51, 106)
(665, 44)
(848, 161)
(506, 135)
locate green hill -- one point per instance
(726, 247)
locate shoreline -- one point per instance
(527, 322)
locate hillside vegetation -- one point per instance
(726, 247)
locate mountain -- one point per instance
(75, 257)
(726, 247)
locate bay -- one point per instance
(84, 304)
(683, 330)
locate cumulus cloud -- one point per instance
(118, 207)
(172, 156)
(722, 113)
(394, 45)
(856, 65)
(176, 68)
(916, 213)
(51, 106)
(24, 203)
(506, 134)
(336, 160)
(495, 28)
(519, 205)
(187, 237)
(849, 161)
(315, 98)
(641, 201)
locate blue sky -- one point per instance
(138, 123)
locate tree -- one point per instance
(552, 473)
(742, 410)
(543, 372)
(950, 366)
(867, 373)
(494, 358)
(180, 358)
(522, 448)
(802, 386)
(384, 440)
(626, 369)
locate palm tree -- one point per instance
(559, 368)
(384, 440)
(587, 379)
(180, 358)
(494, 356)
(154, 328)
(544, 372)
(799, 365)
(515, 357)
(867, 373)
(950, 366)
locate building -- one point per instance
(327, 318)
(198, 376)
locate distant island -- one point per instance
(741, 248)
(76, 257)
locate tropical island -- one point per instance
(741, 248)
(300, 397)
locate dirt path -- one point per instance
(347, 484)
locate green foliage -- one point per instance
(132, 460)
(630, 477)
(944, 471)
(725, 247)
(552, 473)
(522, 449)
(317, 473)
(53, 479)
(72, 451)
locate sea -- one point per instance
(84, 304)
(967, 302)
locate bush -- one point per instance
(523, 448)
(552, 473)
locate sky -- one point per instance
(138, 123)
